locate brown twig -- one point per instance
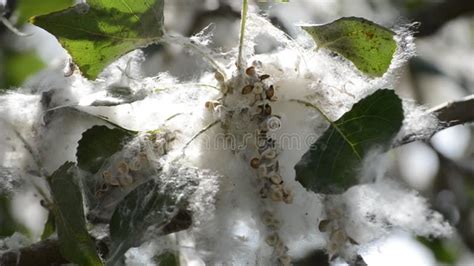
(449, 114)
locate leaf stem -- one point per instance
(333, 124)
(204, 129)
(242, 33)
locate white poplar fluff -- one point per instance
(232, 224)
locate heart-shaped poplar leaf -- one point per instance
(99, 33)
(368, 45)
(97, 144)
(331, 164)
(75, 243)
(151, 203)
(30, 8)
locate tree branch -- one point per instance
(449, 114)
(456, 112)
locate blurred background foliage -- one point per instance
(442, 170)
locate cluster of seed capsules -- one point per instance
(258, 95)
(266, 163)
(136, 160)
(339, 241)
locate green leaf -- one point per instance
(444, 253)
(75, 243)
(97, 144)
(167, 259)
(7, 222)
(368, 45)
(49, 226)
(98, 34)
(331, 164)
(151, 203)
(18, 67)
(30, 8)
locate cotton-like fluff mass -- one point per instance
(232, 224)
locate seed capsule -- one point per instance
(250, 71)
(258, 87)
(273, 99)
(272, 240)
(324, 226)
(255, 163)
(268, 109)
(262, 171)
(263, 192)
(135, 165)
(125, 180)
(109, 179)
(219, 77)
(247, 89)
(288, 197)
(264, 77)
(269, 154)
(276, 195)
(122, 167)
(270, 92)
(280, 248)
(276, 179)
(285, 260)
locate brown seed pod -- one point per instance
(273, 99)
(250, 71)
(270, 92)
(262, 171)
(285, 260)
(276, 179)
(258, 88)
(276, 195)
(122, 167)
(324, 226)
(212, 105)
(272, 240)
(280, 248)
(264, 77)
(135, 165)
(125, 180)
(219, 77)
(247, 89)
(268, 109)
(263, 192)
(109, 179)
(269, 153)
(255, 162)
(288, 196)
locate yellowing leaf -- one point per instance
(368, 45)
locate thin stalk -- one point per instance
(333, 124)
(204, 129)
(12, 28)
(242, 33)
